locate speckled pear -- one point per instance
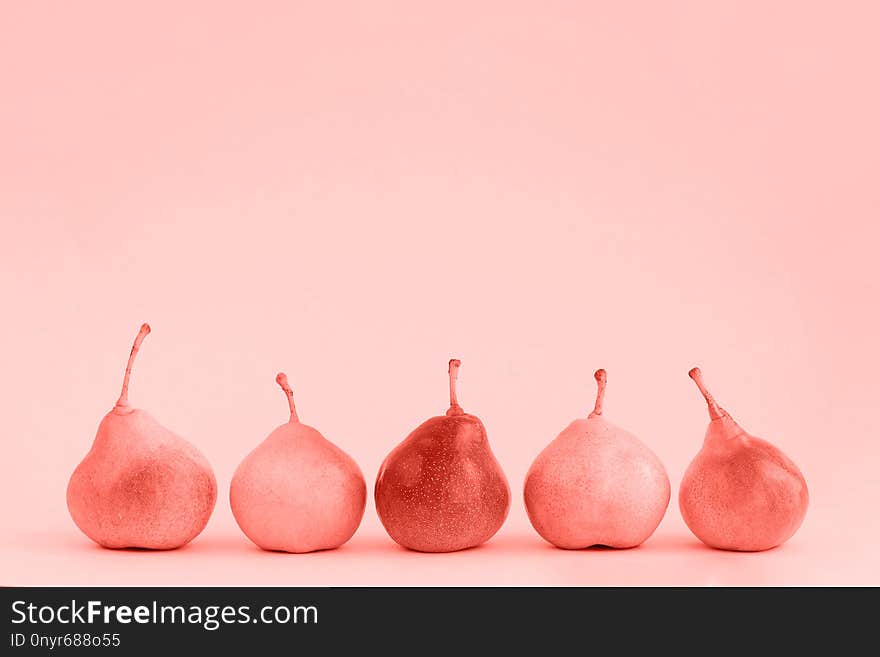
(297, 491)
(141, 485)
(740, 492)
(596, 484)
(442, 489)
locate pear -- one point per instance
(441, 489)
(297, 491)
(740, 492)
(596, 484)
(141, 485)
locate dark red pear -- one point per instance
(442, 489)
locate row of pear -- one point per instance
(439, 490)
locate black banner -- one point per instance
(410, 620)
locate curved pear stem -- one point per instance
(281, 380)
(715, 411)
(123, 396)
(601, 380)
(454, 408)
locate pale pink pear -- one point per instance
(297, 491)
(442, 489)
(740, 492)
(596, 484)
(140, 485)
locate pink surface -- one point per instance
(355, 194)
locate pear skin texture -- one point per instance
(442, 489)
(141, 485)
(596, 484)
(740, 492)
(298, 492)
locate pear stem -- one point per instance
(123, 396)
(281, 380)
(715, 411)
(454, 408)
(601, 380)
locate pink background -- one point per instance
(355, 192)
